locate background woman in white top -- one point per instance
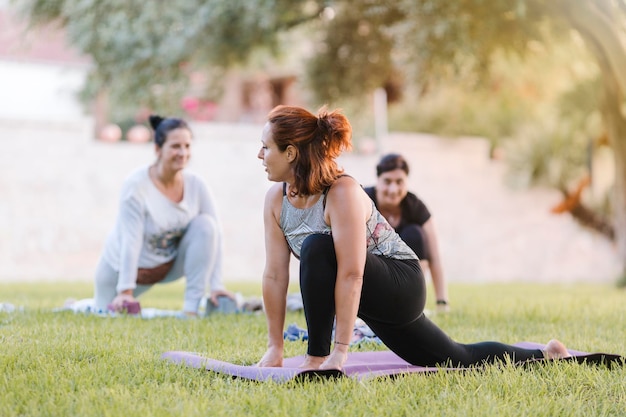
(167, 228)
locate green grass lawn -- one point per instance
(66, 364)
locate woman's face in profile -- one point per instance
(391, 187)
(276, 163)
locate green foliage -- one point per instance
(553, 153)
(147, 50)
(515, 92)
(369, 44)
(353, 56)
(452, 111)
(75, 365)
(144, 52)
(442, 38)
(556, 149)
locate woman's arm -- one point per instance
(131, 227)
(434, 261)
(347, 210)
(275, 277)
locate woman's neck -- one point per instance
(164, 177)
(302, 201)
(170, 184)
(393, 213)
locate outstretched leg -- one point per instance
(392, 303)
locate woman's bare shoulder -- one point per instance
(347, 187)
(274, 194)
(346, 195)
(347, 184)
(346, 180)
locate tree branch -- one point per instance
(604, 32)
(296, 22)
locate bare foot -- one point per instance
(555, 350)
(312, 362)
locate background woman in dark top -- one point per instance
(410, 217)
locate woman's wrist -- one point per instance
(442, 305)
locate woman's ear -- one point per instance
(292, 152)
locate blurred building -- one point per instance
(41, 77)
(248, 95)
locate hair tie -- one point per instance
(321, 124)
(155, 121)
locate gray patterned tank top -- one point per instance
(297, 224)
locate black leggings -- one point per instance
(392, 305)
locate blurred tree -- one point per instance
(354, 52)
(443, 34)
(144, 49)
(431, 40)
(143, 52)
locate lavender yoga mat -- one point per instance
(360, 365)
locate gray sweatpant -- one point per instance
(198, 259)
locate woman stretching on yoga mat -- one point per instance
(167, 228)
(410, 218)
(352, 262)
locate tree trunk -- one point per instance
(599, 24)
(616, 126)
(100, 112)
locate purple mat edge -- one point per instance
(360, 365)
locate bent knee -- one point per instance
(203, 224)
(316, 245)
